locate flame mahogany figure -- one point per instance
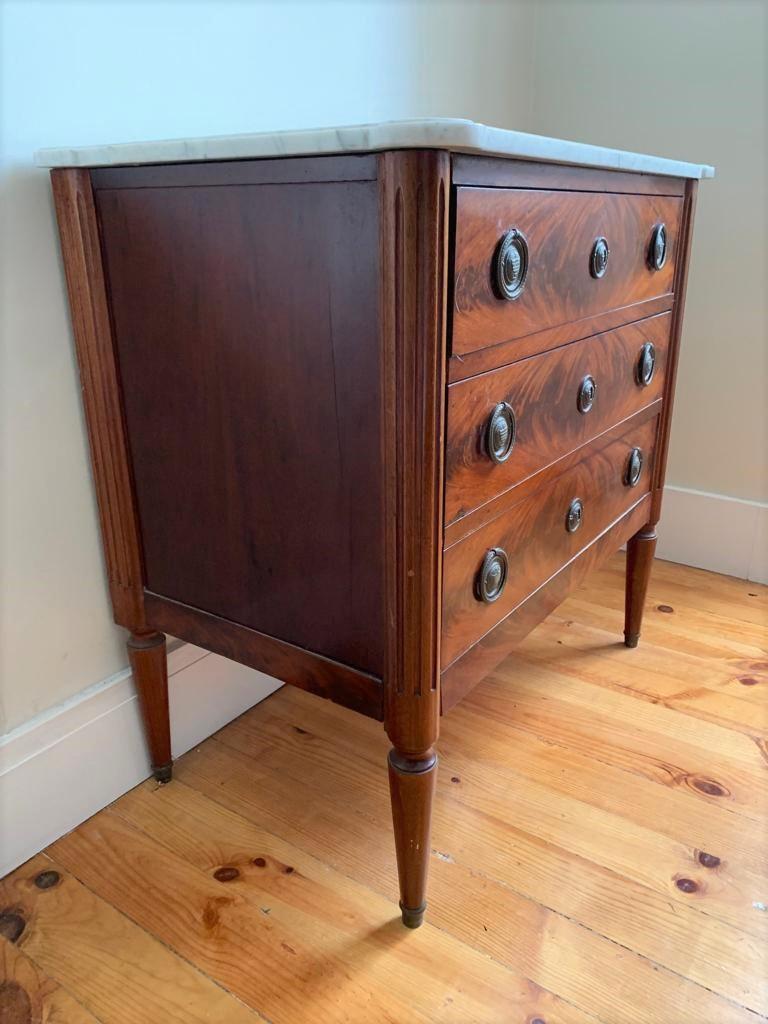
(294, 368)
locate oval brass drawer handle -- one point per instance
(657, 251)
(634, 468)
(510, 265)
(646, 364)
(598, 259)
(492, 577)
(587, 393)
(501, 433)
(574, 516)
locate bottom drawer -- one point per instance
(482, 658)
(491, 571)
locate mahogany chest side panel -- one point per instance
(245, 323)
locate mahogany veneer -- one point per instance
(285, 474)
(543, 393)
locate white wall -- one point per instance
(89, 72)
(686, 78)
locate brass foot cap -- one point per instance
(413, 918)
(631, 639)
(163, 773)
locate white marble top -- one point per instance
(453, 134)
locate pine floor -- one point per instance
(599, 849)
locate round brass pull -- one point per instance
(492, 577)
(501, 433)
(646, 364)
(598, 260)
(657, 252)
(574, 516)
(587, 393)
(510, 265)
(634, 468)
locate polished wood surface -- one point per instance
(327, 678)
(463, 675)
(534, 536)
(460, 528)
(147, 653)
(597, 851)
(561, 228)
(255, 438)
(412, 791)
(101, 393)
(414, 198)
(542, 392)
(681, 284)
(462, 366)
(640, 552)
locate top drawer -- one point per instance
(551, 271)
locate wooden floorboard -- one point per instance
(599, 849)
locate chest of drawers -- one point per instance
(362, 414)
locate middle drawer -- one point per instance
(506, 425)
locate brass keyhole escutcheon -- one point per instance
(587, 394)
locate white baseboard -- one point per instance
(67, 763)
(715, 532)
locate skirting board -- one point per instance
(68, 763)
(715, 532)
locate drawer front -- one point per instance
(528, 260)
(508, 558)
(506, 425)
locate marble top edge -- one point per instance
(456, 135)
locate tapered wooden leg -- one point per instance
(412, 787)
(640, 551)
(148, 657)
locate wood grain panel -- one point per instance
(542, 391)
(460, 367)
(246, 327)
(535, 539)
(460, 528)
(561, 229)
